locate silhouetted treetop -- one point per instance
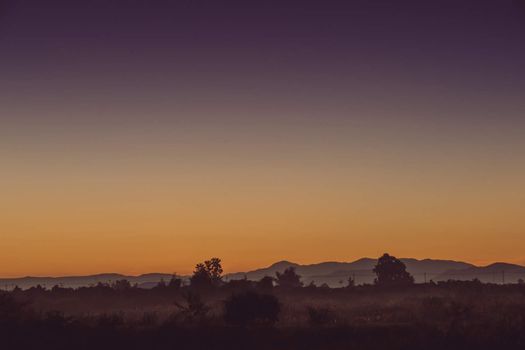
(289, 278)
(207, 274)
(391, 271)
(121, 285)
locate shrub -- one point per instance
(10, 309)
(251, 308)
(265, 283)
(320, 317)
(289, 278)
(195, 309)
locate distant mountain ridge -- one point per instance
(335, 274)
(493, 273)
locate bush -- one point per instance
(251, 308)
(10, 309)
(320, 317)
(289, 278)
(195, 309)
(265, 284)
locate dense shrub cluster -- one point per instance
(251, 308)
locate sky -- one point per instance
(145, 136)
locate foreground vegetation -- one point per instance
(268, 314)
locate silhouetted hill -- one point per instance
(336, 274)
(493, 273)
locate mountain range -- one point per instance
(334, 274)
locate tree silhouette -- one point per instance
(121, 285)
(207, 274)
(214, 268)
(391, 271)
(289, 278)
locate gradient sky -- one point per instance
(140, 136)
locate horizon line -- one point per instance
(247, 271)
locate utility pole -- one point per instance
(425, 274)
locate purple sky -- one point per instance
(457, 61)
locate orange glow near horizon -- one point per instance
(158, 208)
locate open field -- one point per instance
(446, 315)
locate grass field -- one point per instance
(447, 315)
